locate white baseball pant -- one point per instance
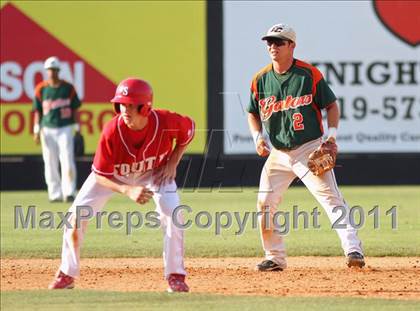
(58, 146)
(94, 195)
(280, 169)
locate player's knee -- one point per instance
(265, 218)
(265, 203)
(165, 208)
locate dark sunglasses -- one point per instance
(276, 42)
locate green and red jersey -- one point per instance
(56, 105)
(289, 105)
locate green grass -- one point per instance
(96, 300)
(44, 243)
(404, 241)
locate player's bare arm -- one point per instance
(333, 116)
(139, 194)
(168, 172)
(255, 126)
(36, 127)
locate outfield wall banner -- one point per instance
(99, 44)
(369, 52)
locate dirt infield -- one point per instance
(388, 277)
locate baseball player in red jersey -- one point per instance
(135, 157)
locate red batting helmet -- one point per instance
(134, 91)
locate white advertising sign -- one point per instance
(369, 54)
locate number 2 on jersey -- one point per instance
(298, 121)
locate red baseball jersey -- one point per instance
(122, 151)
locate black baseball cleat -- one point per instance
(355, 259)
(268, 265)
(58, 200)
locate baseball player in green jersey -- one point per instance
(285, 110)
(54, 105)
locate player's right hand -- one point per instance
(139, 194)
(36, 138)
(263, 150)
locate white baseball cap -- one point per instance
(52, 63)
(280, 31)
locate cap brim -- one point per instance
(122, 100)
(275, 37)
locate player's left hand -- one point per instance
(166, 173)
(323, 158)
